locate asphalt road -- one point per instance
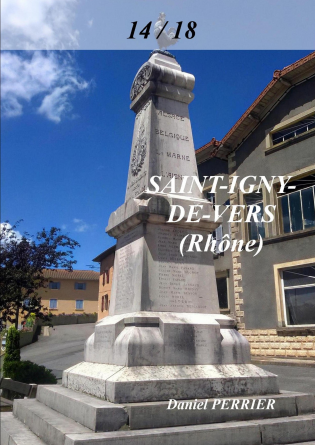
(64, 348)
(293, 378)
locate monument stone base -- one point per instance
(119, 384)
(166, 338)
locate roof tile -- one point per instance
(88, 275)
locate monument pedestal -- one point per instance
(164, 336)
(121, 384)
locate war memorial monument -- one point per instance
(164, 337)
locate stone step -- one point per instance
(288, 430)
(46, 423)
(96, 414)
(156, 415)
(14, 432)
(285, 430)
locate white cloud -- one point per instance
(8, 226)
(82, 226)
(90, 23)
(50, 76)
(38, 24)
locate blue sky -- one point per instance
(67, 129)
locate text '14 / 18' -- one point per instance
(145, 32)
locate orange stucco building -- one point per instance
(70, 292)
(106, 260)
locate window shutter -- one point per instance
(218, 235)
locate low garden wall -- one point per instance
(56, 320)
(29, 336)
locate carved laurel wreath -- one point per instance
(141, 79)
(139, 152)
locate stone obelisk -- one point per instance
(164, 336)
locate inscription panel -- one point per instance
(172, 143)
(178, 284)
(127, 272)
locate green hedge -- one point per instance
(28, 372)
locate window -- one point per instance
(53, 304)
(255, 227)
(223, 293)
(54, 285)
(105, 303)
(79, 305)
(292, 131)
(80, 286)
(210, 197)
(299, 295)
(217, 235)
(297, 208)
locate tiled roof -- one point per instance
(88, 275)
(104, 254)
(282, 81)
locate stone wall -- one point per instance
(57, 320)
(268, 343)
(28, 337)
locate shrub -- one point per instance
(30, 321)
(12, 347)
(28, 372)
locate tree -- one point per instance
(12, 346)
(23, 260)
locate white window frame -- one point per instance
(54, 299)
(284, 302)
(280, 297)
(277, 224)
(289, 207)
(77, 309)
(283, 125)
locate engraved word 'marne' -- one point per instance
(177, 156)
